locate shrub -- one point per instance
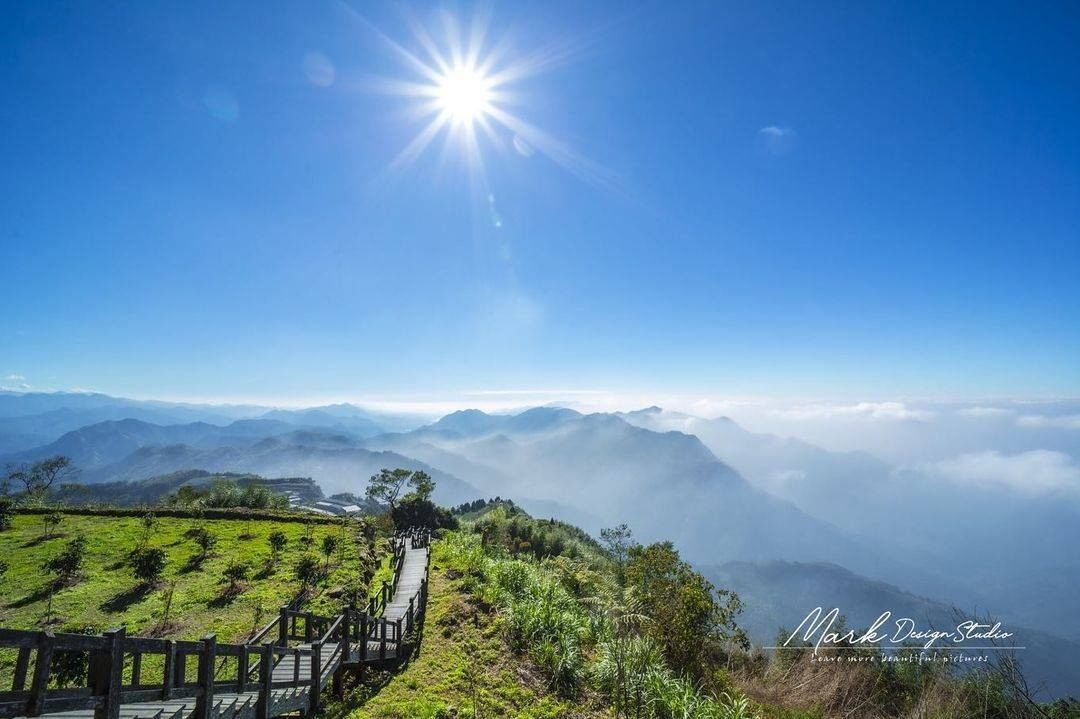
(7, 509)
(51, 521)
(148, 522)
(307, 571)
(3, 568)
(278, 541)
(69, 562)
(329, 544)
(237, 572)
(148, 564)
(205, 539)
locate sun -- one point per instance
(462, 88)
(464, 93)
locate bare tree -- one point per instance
(40, 476)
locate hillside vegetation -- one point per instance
(620, 629)
(230, 588)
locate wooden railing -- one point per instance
(115, 661)
(113, 656)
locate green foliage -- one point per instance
(329, 544)
(237, 572)
(512, 531)
(7, 510)
(148, 564)
(51, 520)
(148, 521)
(3, 568)
(413, 511)
(230, 494)
(385, 487)
(278, 541)
(688, 619)
(204, 539)
(583, 629)
(69, 562)
(308, 571)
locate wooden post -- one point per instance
(116, 671)
(136, 668)
(409, 624)
(363, 637)
(266, 676)
(382, 640)
(170, 671)
(347, 624)
(204, 702)
(316, 678)
(242, 670)
(296, 667)
(283, 626)
(40, 682)
(18, 683)
(307, 626)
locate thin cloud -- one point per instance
(1067, 421)
(778, 140)
(981, 412)
(14, 383)
(1032, 473)
(887, 411)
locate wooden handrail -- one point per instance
(109, 652)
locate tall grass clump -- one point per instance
(544, 619)
(580, 638)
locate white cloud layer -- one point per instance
(1032, 473)
(1068, 421)
(984, 412)
(888, 411)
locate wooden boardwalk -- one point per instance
(258, 680)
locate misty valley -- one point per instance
(839, 529)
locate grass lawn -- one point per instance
(108, 595)
(464, 668)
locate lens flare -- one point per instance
(465, 94)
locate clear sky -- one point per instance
(200, 199)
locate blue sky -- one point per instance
(863, 200)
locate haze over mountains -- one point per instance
(982, 528)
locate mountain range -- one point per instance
(765, 514)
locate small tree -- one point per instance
(166, 600)
(237, 572)
(148, 521)
(206, 541)
(354, 592)
(51, 520)
(277, 540)
(69, 562)
(386, 486)
(329, 544)
(38, 477)
(7, 511)
(617, 541)
(148, 564)
(307, 571)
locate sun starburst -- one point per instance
(462, 90)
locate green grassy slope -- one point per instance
(106, 595)
(464, 667)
